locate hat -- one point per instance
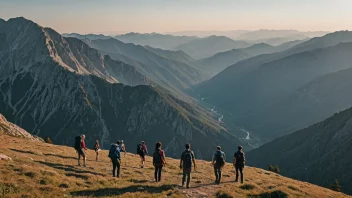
(240, 147)
(218, 147)
(122, 141)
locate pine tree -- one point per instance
(270, 168)
(48, 140)
(336, 186)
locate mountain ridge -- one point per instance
(325, 146)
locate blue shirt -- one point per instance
(222, 154)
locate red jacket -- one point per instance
(83, 145)
(162, 154)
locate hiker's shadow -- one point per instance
(22, 151)
(210, 184)
(61, 156)
(68, 168)
(120, 191)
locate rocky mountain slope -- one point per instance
(46, 170)
(262, 84)
(11, 129)
(155, 40)
(318, 154)
(26, 45)
(59, 88)
(209, 46)
(167, 72)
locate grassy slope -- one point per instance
(44, 170)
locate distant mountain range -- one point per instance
(59, 87)
(318, 154)
(206, 47)
(168, 68)
(271, 37)
(155, 40)
(220, 61)
(86, 36)
(273, 94)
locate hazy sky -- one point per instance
(92, 16)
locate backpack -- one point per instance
(95, 147)
(239, 157)
(187, 159)
(139, 149)
(157, 157)
(219, 159)
(114, 151)
(77, 144)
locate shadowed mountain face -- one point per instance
(168, 68)
(220, 61)
(317, 154)
(261, 87)
(206, 47)
(155, 40)
(59, 88)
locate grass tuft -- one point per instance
(247, 187)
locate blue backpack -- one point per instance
(114, 151)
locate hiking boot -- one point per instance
(236, 180)
(84, 165)
(79, 165)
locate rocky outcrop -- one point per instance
(11, 129)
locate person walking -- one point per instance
(158, 161)
(115, 156)
(239, 160)
(123, 147)
(187, 160)
(142, 151)
(81, 151)
(96, 149)
(218, 163)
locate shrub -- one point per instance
(247, 187)
(270, 168)
(273, 194)
(48, 140)
(222, 194)
(274, 169)
(336, 186)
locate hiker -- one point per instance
(239, 160)
(158, 161)
(96, 149)
(115, 156)
(218, 162)
(142, 151)
(123, 147)
(80, 147)
(187, 159)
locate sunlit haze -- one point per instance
(114, 16)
